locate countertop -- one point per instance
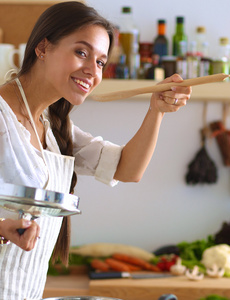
(135, 289)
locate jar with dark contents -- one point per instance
(169, 65)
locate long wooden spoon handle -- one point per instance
(158, 88)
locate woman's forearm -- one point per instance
(138, 152)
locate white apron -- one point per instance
(22, 273)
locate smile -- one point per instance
(82, 83)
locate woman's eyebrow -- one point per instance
(90, 46)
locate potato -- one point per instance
(107, 249)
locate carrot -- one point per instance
(135, 261)
(117, 265)
(153, 268)
(132, 267)
(100, 265)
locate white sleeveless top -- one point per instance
(23, 274)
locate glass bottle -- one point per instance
(122, 70)
(193, 60)
(129, 35)
(221, 63)
(160, 43)
(202, 43)
(114, 59)
(179, 38)
(181, 60)
(155, 72)
(134, 62)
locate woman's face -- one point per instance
(74, 66)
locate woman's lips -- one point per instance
(82, 83)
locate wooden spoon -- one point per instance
(158, 88)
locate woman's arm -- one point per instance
(137, 153)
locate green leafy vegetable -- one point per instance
(193, 251)
(214, 297)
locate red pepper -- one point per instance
(165, 263)
(168, 265)
(161, 265)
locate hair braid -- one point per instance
(61, 127)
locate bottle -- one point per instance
(160, 43)
(145, 50)
(114, 59)
(202, 43)
(203, 51)
(155, 72)
(122, 70)
(221, 63)
(180, 38)
(193, 61)
(224, 48)
(134, 62)
(129, 37)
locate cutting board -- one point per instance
(152, 289)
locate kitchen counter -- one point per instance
(135, 289)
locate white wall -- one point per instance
(161, 209)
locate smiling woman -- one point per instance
(41, 147)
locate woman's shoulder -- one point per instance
(5, 108)
(5, 98)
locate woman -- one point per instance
(64, 61)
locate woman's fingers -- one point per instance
(173, 99)
(29, 236)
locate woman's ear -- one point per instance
(41, 48)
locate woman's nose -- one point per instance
(91, 68)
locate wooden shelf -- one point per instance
(213, 92)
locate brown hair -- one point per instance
(55, 23)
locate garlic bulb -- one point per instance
(178, 268)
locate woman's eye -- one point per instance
(81, 53)
(101, 63)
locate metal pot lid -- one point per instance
(37, 202)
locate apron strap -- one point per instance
(32, 123)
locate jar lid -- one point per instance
(224, 41)
(126, 9)
(168, 58)
(200, 29)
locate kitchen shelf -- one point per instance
(212, 92)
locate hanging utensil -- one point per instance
(222, 135)
(158, 88)
(202, 168)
